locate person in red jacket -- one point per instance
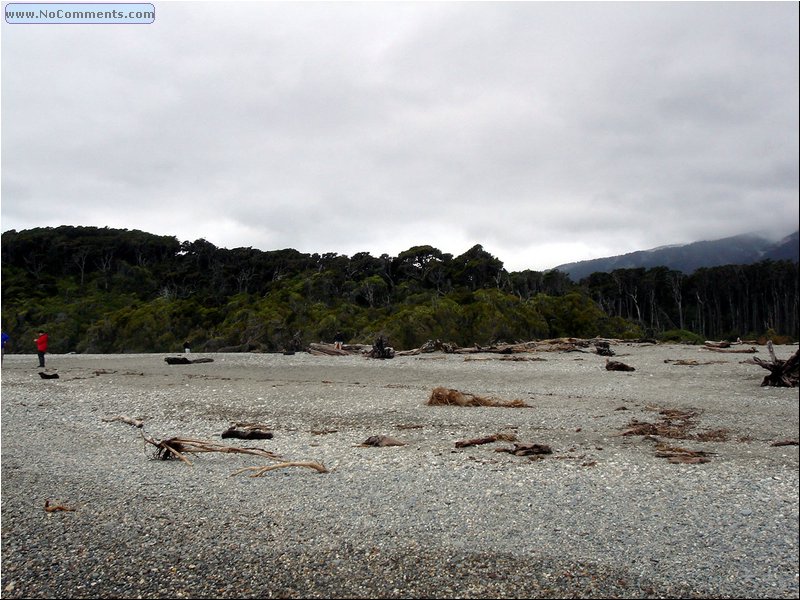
(41, 347)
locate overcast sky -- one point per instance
(547, 132)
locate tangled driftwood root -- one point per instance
(176, 448)
(782, 373)
(442, 396)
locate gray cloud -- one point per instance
(548, 132)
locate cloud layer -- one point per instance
(547, 132)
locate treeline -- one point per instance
(101, 290)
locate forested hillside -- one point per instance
(101, 290)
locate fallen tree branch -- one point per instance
(259, 471)
(505, 437)
(176, 447)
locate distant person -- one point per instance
(41, 347)
(338, 340)
(6, 337)
(186, 348)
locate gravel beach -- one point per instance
(605, 515)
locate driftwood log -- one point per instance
(248, 431)
(326, 350)
(782, 373)
(182, 360)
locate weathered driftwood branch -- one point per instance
(177, 447)
(259, 471)
(126, 419)
(505, 437)
(782, 373)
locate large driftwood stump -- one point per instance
(381, 348)
(782, 373)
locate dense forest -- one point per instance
(101, 290)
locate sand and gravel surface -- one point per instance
(604, 515)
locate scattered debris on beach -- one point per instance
(175, 448)
(125, 419)
(44, 375)
(615, 365)
(248, 431)
(692, 362)
(783, 373)
(51, 508)
(785, 443)
(442, 396)
(677, 455)
(527, 449)
(675, 424)
(498, 437)
(750, 350)
(380, 441)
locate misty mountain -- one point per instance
(737, 250)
